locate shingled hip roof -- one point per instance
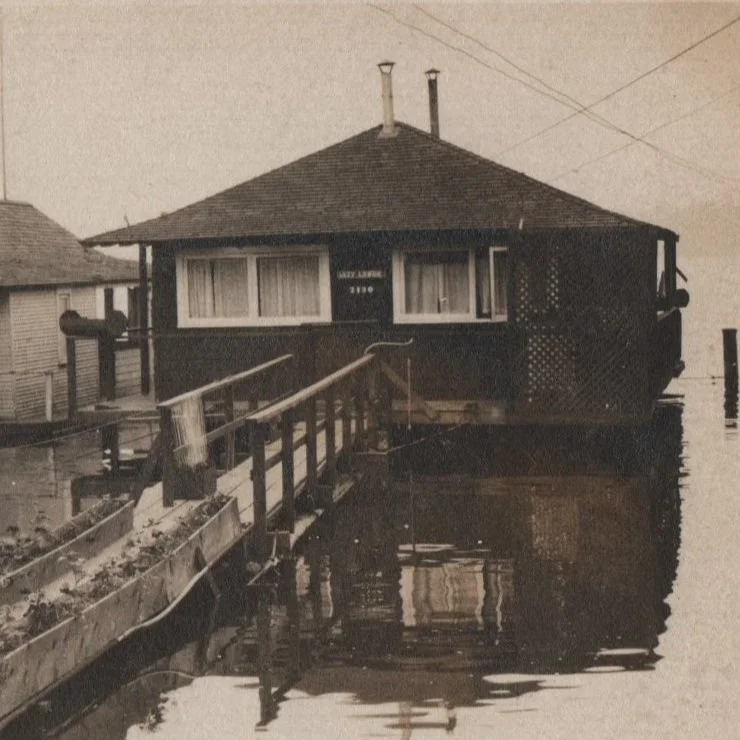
(367, 183)
(34, 250)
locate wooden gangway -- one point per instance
(297, 444)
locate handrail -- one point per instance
(223, 382)
(273, 411)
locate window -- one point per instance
(251, 287)
(64, 303)
(438, 286)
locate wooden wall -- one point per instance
(601, 278)
(128, 372)
(35, 352)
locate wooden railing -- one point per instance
(349, 394)
(234, 399)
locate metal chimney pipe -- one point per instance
(389, 123)
(432, 75)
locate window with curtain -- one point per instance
(289, 286)
(436, 283)
(451, 285)
(250, 287)
(217, 288)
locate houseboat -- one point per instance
(45, 271)
(497, 299)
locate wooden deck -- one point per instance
(258, 491)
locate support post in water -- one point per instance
(168, 456)
(729, 345)
(287, 427)
(257, 439)
(267, 709)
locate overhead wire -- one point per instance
(641, 137)
(575, 105)
(623, 87)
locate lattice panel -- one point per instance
(584, 318)
(550, 368)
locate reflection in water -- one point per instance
(546, 562)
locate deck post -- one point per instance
(143, 322)
(346, 420)
(294, 622)
(331, 437)
(360, 393)
(311, 451)
(257, 439)
(71, 378)
(371, 377)
(264, 656)
(229, 417)
(286, 455)
(168, 456)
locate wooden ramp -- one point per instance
(295, 442)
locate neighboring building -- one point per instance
(526, 304)
(44, 271)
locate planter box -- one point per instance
(46, 568)
(65, 649)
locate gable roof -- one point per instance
(34, 250)
(367, 183)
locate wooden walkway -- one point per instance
(296, 441)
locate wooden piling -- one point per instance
(311, 448)
(288, 514)
(729, 346)
(331, 438)
(228, 397)
(294, 622)
(166, 432)
(71, 378)
(257, 439)
(143, 322)
(265, 655)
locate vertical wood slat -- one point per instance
(311, 451)
(264, 656)
(257, 437)
(228, 396)
(330, 437)
(168, 456)
(143, 322)
(294, 622)
(286, 455)
(71, 378)
(346, 413)
(360, 392)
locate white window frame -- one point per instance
(252, 254)
(496, 318)
(469, 317)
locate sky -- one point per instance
(120, 110)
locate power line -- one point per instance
(480, 61)
(641, 138)
(501, 56)
(624, 86)
(580, 109)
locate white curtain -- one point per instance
(437, 283)
(289, 286)
(500, 270)
(217, 288)
(230, 296)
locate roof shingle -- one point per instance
(411, 181)
(34, 250)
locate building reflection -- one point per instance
(531, 573)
